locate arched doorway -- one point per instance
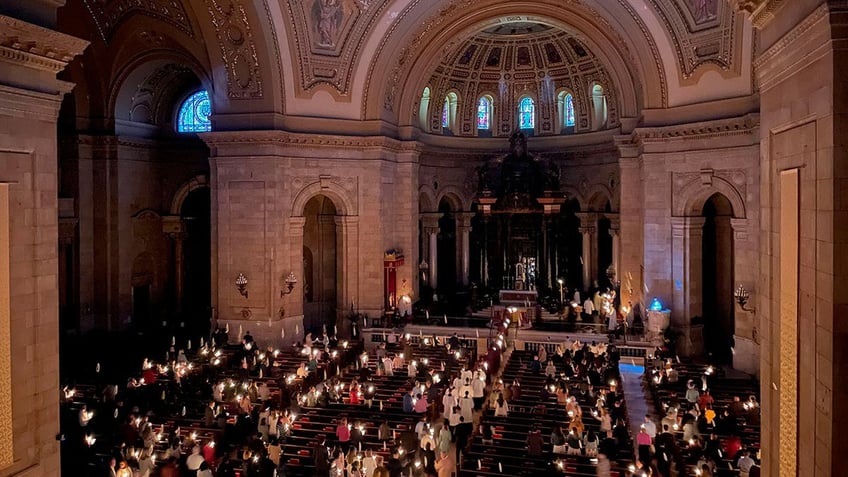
(717, 278)
(197, 296)
(569, 247)
(446, 246)
(320, 264)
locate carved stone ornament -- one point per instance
(703, 32)
(329, 35)
(108, 15)
(37, 47)
(238, 49)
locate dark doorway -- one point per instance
(197, 256)
(719, 321)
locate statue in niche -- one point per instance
(328, 17)
(703, 10)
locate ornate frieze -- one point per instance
(108, 14)
(238, 48)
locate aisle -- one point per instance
(634, 396)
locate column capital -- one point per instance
(587, 230)
(463, 219)
(430, 220)
(173, 226)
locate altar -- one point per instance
(525, 298)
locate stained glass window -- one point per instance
(484, 113)
(526, 113)
(446, 114)
(194, 113)
(569, 110)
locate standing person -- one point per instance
(445, 465)
(501, 406)
(444, 437)
(644, 442)
(321, 456)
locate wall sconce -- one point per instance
(241, 284)
(291, 281)
(741, 295)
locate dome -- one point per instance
(508, 61)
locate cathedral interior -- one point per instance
(171, 168)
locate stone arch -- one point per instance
(344, 204)
(454, 197)
(690, 200)
(597, 198)
(426, 200)
(146, 64)
(412, 48)
(180, 195)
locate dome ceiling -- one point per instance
(512, 59)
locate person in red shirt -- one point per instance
(732, 445)
(343, 433)
(706, 399)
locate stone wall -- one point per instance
(802, 107)
(29, 103)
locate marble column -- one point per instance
(463, 236)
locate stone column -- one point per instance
(588, 229)
(291, 306)
(687, 250)
(174, 227)
(347, 258)
(430, 227)
(463, 229)
(615, 233)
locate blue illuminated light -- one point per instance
(656, 305)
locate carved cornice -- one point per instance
(760, 11)
(789, 39)
(740, 126)
(37, 47)
(225, 138)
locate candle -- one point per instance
(381, 405)
(479, 464)
(335, 330)
(240, 333)
(296, 330)
(394, 435)
(500, 467)
(446, 319)
(360, 447)
(97, 368)
(227, 329)
(184, 411)
(188, 345)
(173, 340)
(477, 333)
(427, 314)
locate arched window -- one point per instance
(194, 113)
(565, 108)
(599, 103)
(449, 113)
(484, 113)
(424, 108)
(526, 113)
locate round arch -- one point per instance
(344, 205)
(411, 50)
(693, 196)
(454, 198)
(196, 182)
(597, 198)
(426, 200)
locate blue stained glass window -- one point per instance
(484, 113)
(194, 113)
(569, 110)
(446, 115)
(526, 113)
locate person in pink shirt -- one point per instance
(420, 405)
(343, 433)
(644, 442)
